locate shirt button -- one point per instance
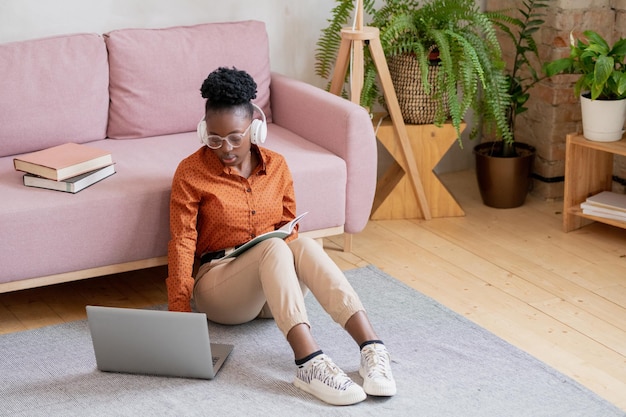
(248, 190)
(253, 211)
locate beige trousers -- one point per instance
(274, 274)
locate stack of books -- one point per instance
(607, 204)
(70, 167)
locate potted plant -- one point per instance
(471, 75)
(504, 167)
(601, 85)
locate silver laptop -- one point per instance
(154, 342)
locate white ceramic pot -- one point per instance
(603, 120)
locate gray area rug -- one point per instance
(444, 366)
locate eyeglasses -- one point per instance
(234, 139)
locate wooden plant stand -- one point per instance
(394, 198)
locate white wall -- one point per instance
(293, 27)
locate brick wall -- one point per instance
(554, 111)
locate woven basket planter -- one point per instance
(416, 105)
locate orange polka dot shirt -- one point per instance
(212, 208)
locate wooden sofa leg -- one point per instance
(347, 242)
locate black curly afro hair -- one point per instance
(227, 88)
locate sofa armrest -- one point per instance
(338, 125)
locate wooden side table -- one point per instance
(588, 171)
(395, 198)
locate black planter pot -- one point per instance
(503, 182)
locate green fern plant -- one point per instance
(472, 71)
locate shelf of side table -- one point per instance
(588, 171)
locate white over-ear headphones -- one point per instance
(258, 129)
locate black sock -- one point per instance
(308, 358)
(369, 342)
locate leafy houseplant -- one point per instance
(503, 167)
(469, 55)
(601, 67)
(526, 68)
(602, 83)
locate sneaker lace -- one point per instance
(377, 362)
(325, 370)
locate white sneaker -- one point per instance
(376, 371)
(323, 379)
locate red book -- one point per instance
(64, 161)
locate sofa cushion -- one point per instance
(319, 178)
(156, 74)
(62, 84)
(120, 219)
(125, 217)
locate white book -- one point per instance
(599, 209)
(606, 214)
(608, 200)
(70, 185)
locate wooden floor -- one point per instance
(560, 297)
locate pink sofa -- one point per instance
(136, 93)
